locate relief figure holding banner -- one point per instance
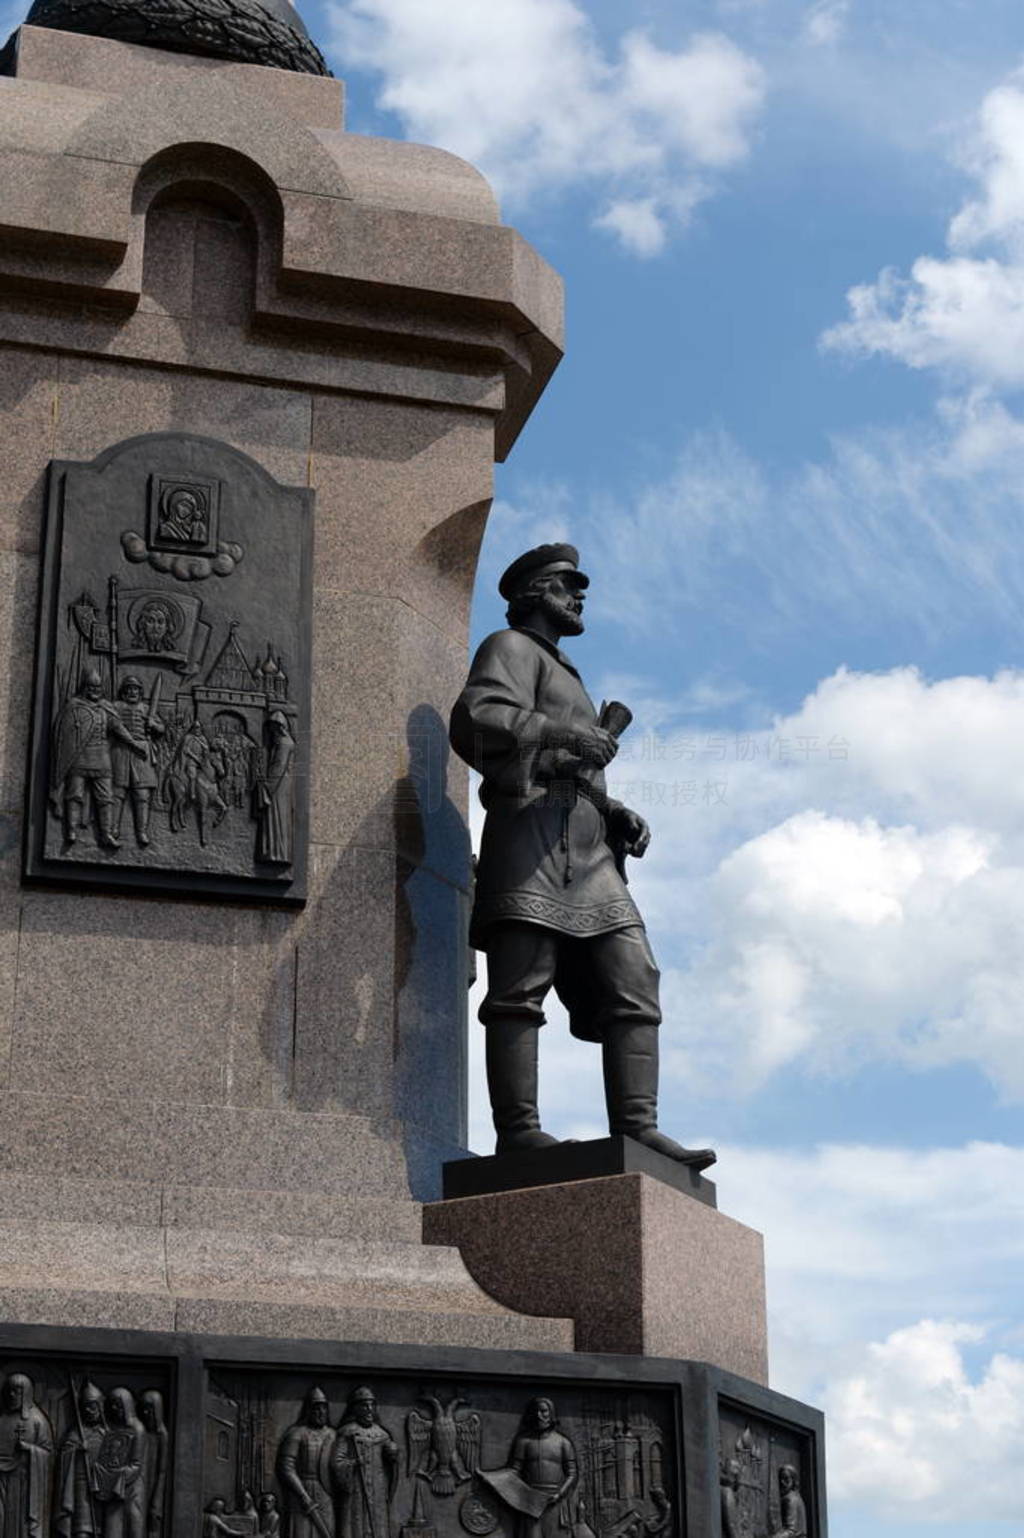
(77, 1511)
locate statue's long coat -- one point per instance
(544, 856)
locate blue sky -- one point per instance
(788, 438)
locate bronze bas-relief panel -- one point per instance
(85, 1448)
(171, 728)
(330, 1456)
(766, 1477)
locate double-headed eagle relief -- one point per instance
(171, 726)
(443, 1442)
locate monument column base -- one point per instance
(641, 1266)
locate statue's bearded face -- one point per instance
(562, 603)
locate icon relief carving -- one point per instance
(172, 726)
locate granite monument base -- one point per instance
(641, 1263)
(208, 1434)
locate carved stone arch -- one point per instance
(212, 232)
(180, 116)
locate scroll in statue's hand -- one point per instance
(596, 746)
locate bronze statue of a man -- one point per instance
(552, 907)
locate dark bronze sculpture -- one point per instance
(77, 1512)
(552, 907)
(791, 1505)
(542, 1472)
(364, 1466)
(26, 1452)
(268, 32)
(171, 724)
(304, 1470)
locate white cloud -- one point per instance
(825, 22)
(913, 1436)
(527, 92)
(858, 893)
(962, 314)
(638, 224)
(861, 1238)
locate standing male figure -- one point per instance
(304, 1469)
(552, 907)
(365, 1469)
(544, 1459)
(134, 773)
(77, 1510)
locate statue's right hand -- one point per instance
(596, 746)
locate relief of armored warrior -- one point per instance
(304, 1469)
(77, 1510)
(134, 773)
(365, 1469)
(26, 1453)
(120, 1490)
(82, 765)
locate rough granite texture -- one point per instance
(639, 1267)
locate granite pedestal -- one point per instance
(217, 1116)
(641, 1261)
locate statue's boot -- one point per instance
(512, 1084)
(143, 811)
(72, 819)
(630, 1058)
(105, 818)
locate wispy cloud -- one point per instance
(527, 91)
(961, 314)
(917, 526)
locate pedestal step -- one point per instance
(243, 1281)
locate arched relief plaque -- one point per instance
(171, 724)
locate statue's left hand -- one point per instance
(633, 831)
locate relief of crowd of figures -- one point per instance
(341, 1465)
(199, 752)
(81, 1460)
(762, 1479)
(220, 748)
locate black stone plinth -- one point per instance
(700, 1452)
(591, 1160)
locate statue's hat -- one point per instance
(542, 560)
